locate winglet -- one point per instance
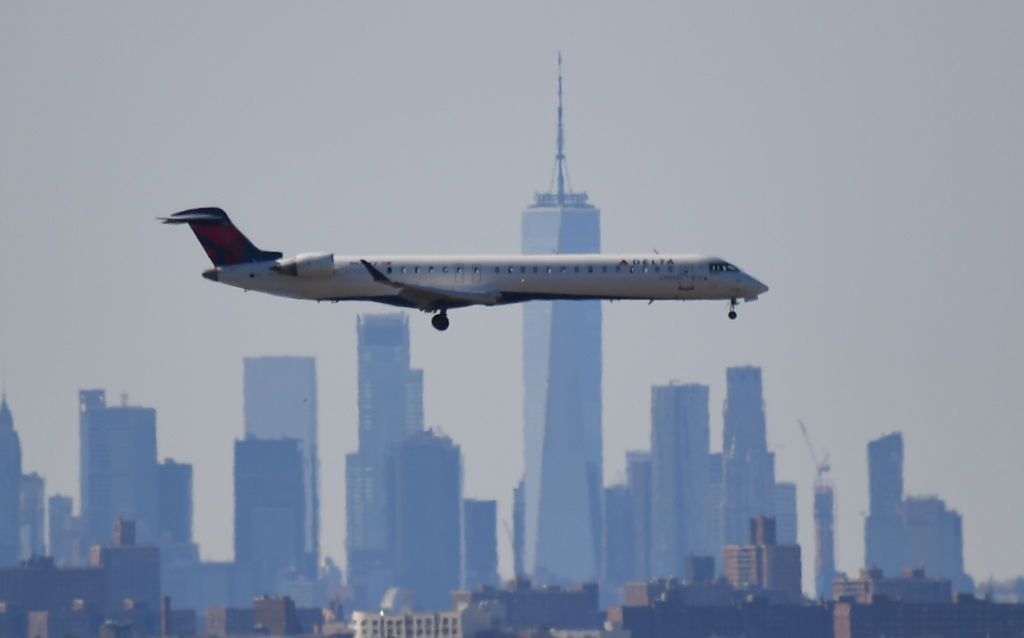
(376, 274)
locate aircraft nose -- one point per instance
(756, 286)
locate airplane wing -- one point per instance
(429, 298)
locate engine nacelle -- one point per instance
(308, 266)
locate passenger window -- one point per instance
(670, 267)
(476, 269)
(522, 269)
(403, 270)
(563, 269)
(389, 270)
(575, 268)
(657, 269)
(416, 269)
(458, 269)
(604, 268)
(632, 269)
(645, 269)
(618, 269)
(444, 268)
(511, 270)
(549, 270)
(535, 269)
(497, 270)
(590, 269)
(431, 269)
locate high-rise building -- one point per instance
(934, 541)
(824, 539)
(118, 467)
(174, 510)
(638, 482)
(680, 442)
(10, 487)
(617, 562)
(562, 394)
(748, 468)
(784, 501)
(33, 516)
(390, 409)
(480, 537)
(518, 531)
(883, 528)
(714, 507)
(66, 534)
(764, 563)
(426, 496)
(281, 402)
(269, 509)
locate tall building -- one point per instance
(824, 539)
(518, 532)
(281, 402)
(33, 516)
(118, 467)
(174, 508)
(480, 538)
(617, 562)
(784, 501)
(680, 450)
(638, 482)
(563, 480)
(390, 409)
(10, 487)
(883, 528)
(270, 508)
(714, 507)
(66, 533)
(764, 563)
(748, 468)
(426, 489)
(934, 541)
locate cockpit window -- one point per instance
(721, 266)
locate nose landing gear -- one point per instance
(732, 308)
(440, 321)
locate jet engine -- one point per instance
(308, 265)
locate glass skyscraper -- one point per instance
(281, 402)
(390, 409)
(563, 482)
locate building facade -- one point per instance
(480, 538)
(563, 478)
(10, 488)
(33, 516)
(824, 539)
(680, 449)
(638, 482)
(118, 467)
(269, 510)
(390, 409)
(883, 528)
(748, 468)
(427, 526)
(281, 402)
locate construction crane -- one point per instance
(821, 465)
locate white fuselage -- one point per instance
(494, 279)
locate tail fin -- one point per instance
(224, 244)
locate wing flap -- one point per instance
(430, 298)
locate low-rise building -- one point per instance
(911, 587)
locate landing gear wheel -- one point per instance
(732, 314)
(440, 321)
(732, 308)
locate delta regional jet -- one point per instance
(441, 283)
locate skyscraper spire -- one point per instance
(560, 155)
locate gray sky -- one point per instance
(863, 159)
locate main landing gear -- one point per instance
(732, 308)
(440, 321)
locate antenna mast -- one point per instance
(560, 155)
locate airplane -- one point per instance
(437, 284)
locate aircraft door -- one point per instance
(477, 273)
(684, 276)
(460, 274)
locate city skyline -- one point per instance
(846, 155)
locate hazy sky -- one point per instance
(863, 159)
